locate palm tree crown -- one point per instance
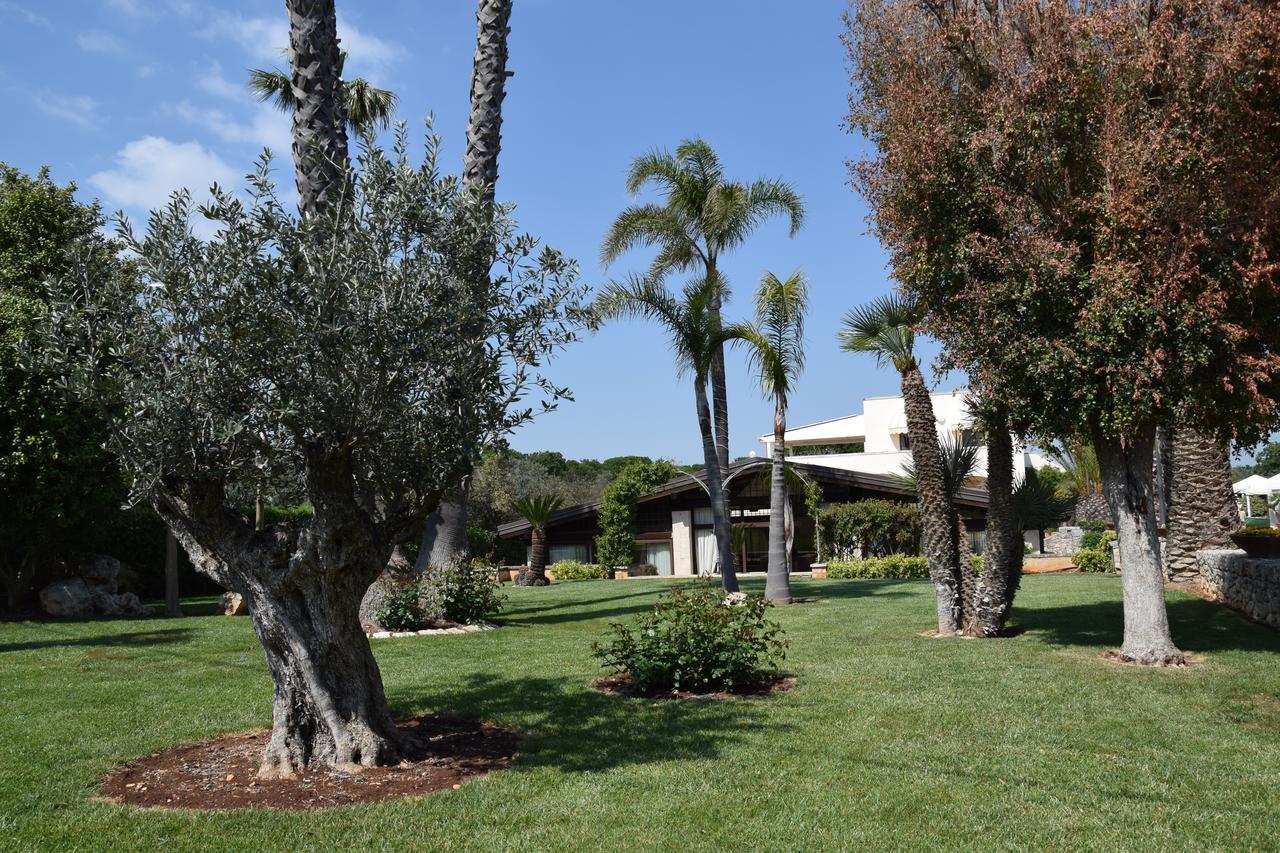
(694, 334)
(366, 105)
(538, 509)
(777, 339)
(959, 464)
(883, 327)
(703, 215)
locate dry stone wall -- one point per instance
(1248, 584)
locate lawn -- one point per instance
(890, 740)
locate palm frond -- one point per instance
(644, 225)
(884, 328)
(367, 105)
(959, 464)
(777, 343)
(538, 509)
(656, 166)
(270, 85)
(766, 198)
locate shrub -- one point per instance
(892, 566)
(1093, 526)
(1092, 540)
(572, 570)
(645, 570)
(878, 527)
(459, 593)
(696, 640)
(616, 545)
(1257, 532)
(1093, 561)
(400, 610)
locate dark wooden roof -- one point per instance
(684, 482)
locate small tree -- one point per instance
(1083, 198)
(317, 346)
(616, 544)
(537, 511)
(777, 354)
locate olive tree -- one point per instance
(318, 346)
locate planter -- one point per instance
(819, 571)
(621, 574)
(1257, 546)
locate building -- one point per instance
(876, 441)
(673, 524)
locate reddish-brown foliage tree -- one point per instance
(1085, 197)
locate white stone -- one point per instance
(381, 635)
(399, 634)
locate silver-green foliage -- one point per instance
(232, 358)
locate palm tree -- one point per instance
(364, 104)
(885, 329)
(696, 336)
(537, 510)
(1202, 505)
(777, 355)
(1080, 462)
(315, 84)
(445, 536)
(703, 217)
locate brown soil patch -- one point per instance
(620, 685)
(1046, 565)
(1191, 660)
(441, 753)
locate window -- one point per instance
(904, 441)
(556, 553)
(656, 554)
(825, 449)
(972, 437)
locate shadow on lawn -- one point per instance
(1197, 626)
(575, 729)
(137, 638)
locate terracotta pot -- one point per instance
(621, 574)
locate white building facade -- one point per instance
(876, 441)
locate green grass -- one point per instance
(890, 740)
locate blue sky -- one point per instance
(133, 98)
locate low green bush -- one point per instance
(459, 593)
(642, 570)
(400, 610)
(1092, 540)
(572, 570)
(697, 640)
(1094, 560)
(1257, 532)
(1093, 526)
(890, 566)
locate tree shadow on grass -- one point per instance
(1196, 625)
(137, 638)
(571, 727)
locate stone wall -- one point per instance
(1065, 542)
(1243, 583)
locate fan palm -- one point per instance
(777, 355)
(364, 104)
(703, 216)
(696, 335)
(884, 328)
(537, 510)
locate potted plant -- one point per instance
(1258, 541)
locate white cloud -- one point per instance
(267, 40)
(97, 41)
(22, 13)
(78, 109)
(267, 128)
(211, 80)
(150, 169)
(145, 71)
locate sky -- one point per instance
(131, 99)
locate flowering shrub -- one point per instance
(696, 640)
(400, 610)
(572, 570)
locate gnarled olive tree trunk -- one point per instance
(940, 536)
(1128, 483)
(303, 584)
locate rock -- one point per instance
(381, 635)
(232, 604)
(118, 604)
(101, 571)
(526, 577)
(65, 599)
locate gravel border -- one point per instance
(428, 632)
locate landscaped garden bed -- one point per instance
(440, 753)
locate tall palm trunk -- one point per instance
(319, 123)
(445, 536)
(777, 584)
(1002, 559)
(1127, 482)
(940, 536)
(715, 490)
(1202, 506)
(719, 389)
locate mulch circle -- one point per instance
(620, 685)
(221, 774)
(1189, 660)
